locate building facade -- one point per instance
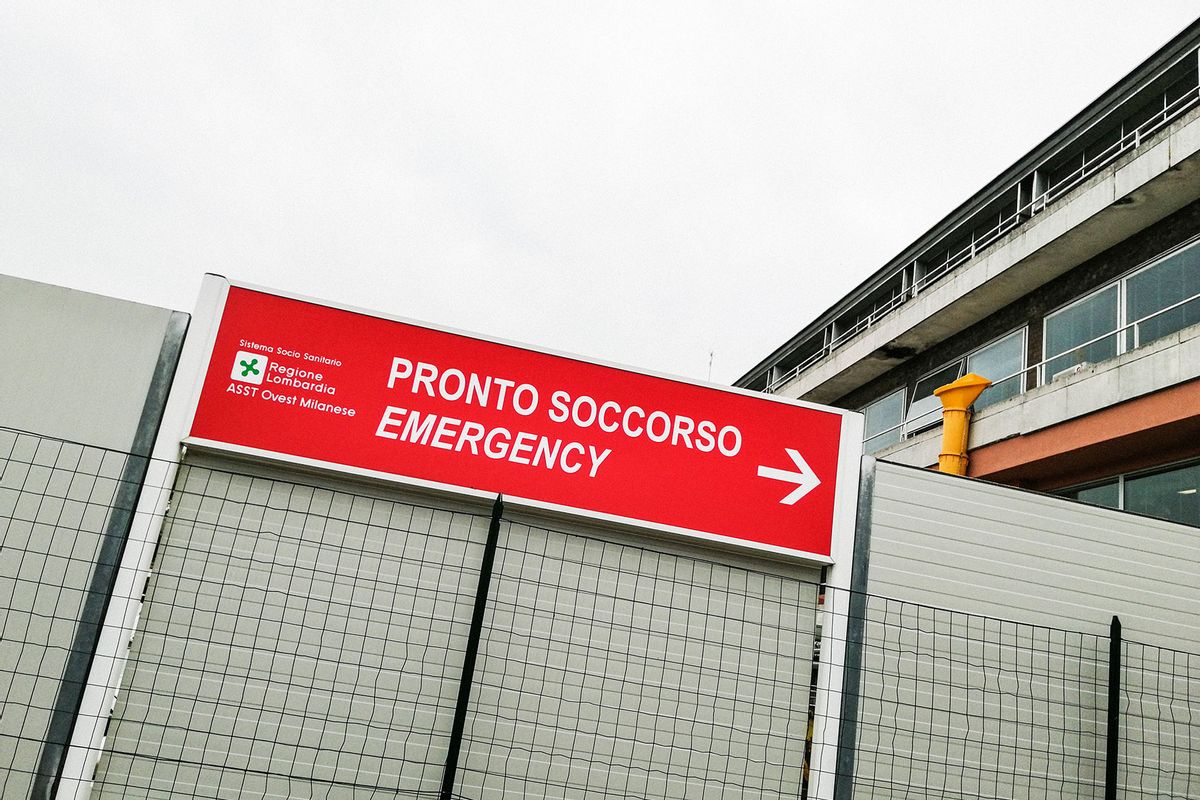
(1072, 282)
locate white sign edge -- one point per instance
(849, 445)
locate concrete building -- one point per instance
(1072, 282)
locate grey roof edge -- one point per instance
(70, 290)
(1176, 48)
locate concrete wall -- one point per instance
(76, 366)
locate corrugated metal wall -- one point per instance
(987, 549)
(955, 705)
(985, 657)
(610, 669)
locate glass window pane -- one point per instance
(1101, 494)
(1172, 494)
(882, 422)
(996, 362)
(926, 409)
(1171, 281)
(1082, 322)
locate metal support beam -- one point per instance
(1114, 709)
(472, 651)
(856, 623)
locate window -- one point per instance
(1172, 493)
(888, 420)
(1068, 332)
(1002, 362)
(1148, 304)
(1107, 494)
(1168, 283)
(926, 409)
(882, 422)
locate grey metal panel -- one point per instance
(1029, 694)
(296, 641)
(961, 706)
(611, 670)
(133, 477)
(1159, 746)
(624, 659)
(76, 366)
(993, 550)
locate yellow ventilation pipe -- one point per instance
(956, 399)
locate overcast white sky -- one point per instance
(640, 182)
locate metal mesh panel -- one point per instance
(308, 642)
(296, 642)
(956, 705)
(57, 500)
(1160, 723)
(611, 670)
(301, 642)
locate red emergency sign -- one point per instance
(362, 393)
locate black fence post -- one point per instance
(468, 672)
(1114, 709)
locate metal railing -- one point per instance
(1128, 142)
(1134, 326)
(909, 427)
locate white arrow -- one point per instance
(806, 480)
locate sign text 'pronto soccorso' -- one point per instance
(366, 394)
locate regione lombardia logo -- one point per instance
(249, 367)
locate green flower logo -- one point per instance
(249, 367)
